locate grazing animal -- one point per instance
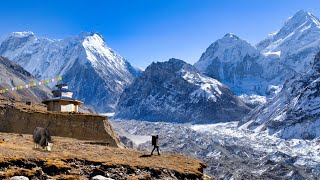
(42, 137)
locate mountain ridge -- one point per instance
(13, 75)
(175, 91)
(262, 69)
(103, 72)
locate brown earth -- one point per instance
(77, 159)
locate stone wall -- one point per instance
(80, 126)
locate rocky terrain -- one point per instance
(294, 112)
(177, 92)
(230, 152)
(13, 75)
(86, 63)
(75, 159)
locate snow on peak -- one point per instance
(230, 48)
(301, 21)
(22, 34)
(86, 52)
(96, 48)
(304, 16)
(299, 36)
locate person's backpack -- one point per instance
(154, 140)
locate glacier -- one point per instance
(229, 151)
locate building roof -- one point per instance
(63, 98)
(62, 90)
(61, 85)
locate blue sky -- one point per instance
(143, 31)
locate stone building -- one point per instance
(62, 100)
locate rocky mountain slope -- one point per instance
(263, 69)
(177, 92)
(95, 73)
(13, 75)
(295, 112)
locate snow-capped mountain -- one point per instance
(294, 112)
(177, 92)
(95, 73)
(263, 69)
(233, 61)
(296, 43)
(13, 75)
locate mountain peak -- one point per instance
(175, 61)
(300, 29)
(230, 35)
(302, 13)
(303, 17)
(172, 65)
(22, 34)
(89, 34)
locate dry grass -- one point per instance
(17, 172)
(20, 147)
(56, 164)
(67, 177)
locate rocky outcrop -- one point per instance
(175, 91)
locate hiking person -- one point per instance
(155, 143)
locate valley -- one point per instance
(230, 152)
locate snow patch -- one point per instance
(253, 99)
(270, 53)
(22, 34)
